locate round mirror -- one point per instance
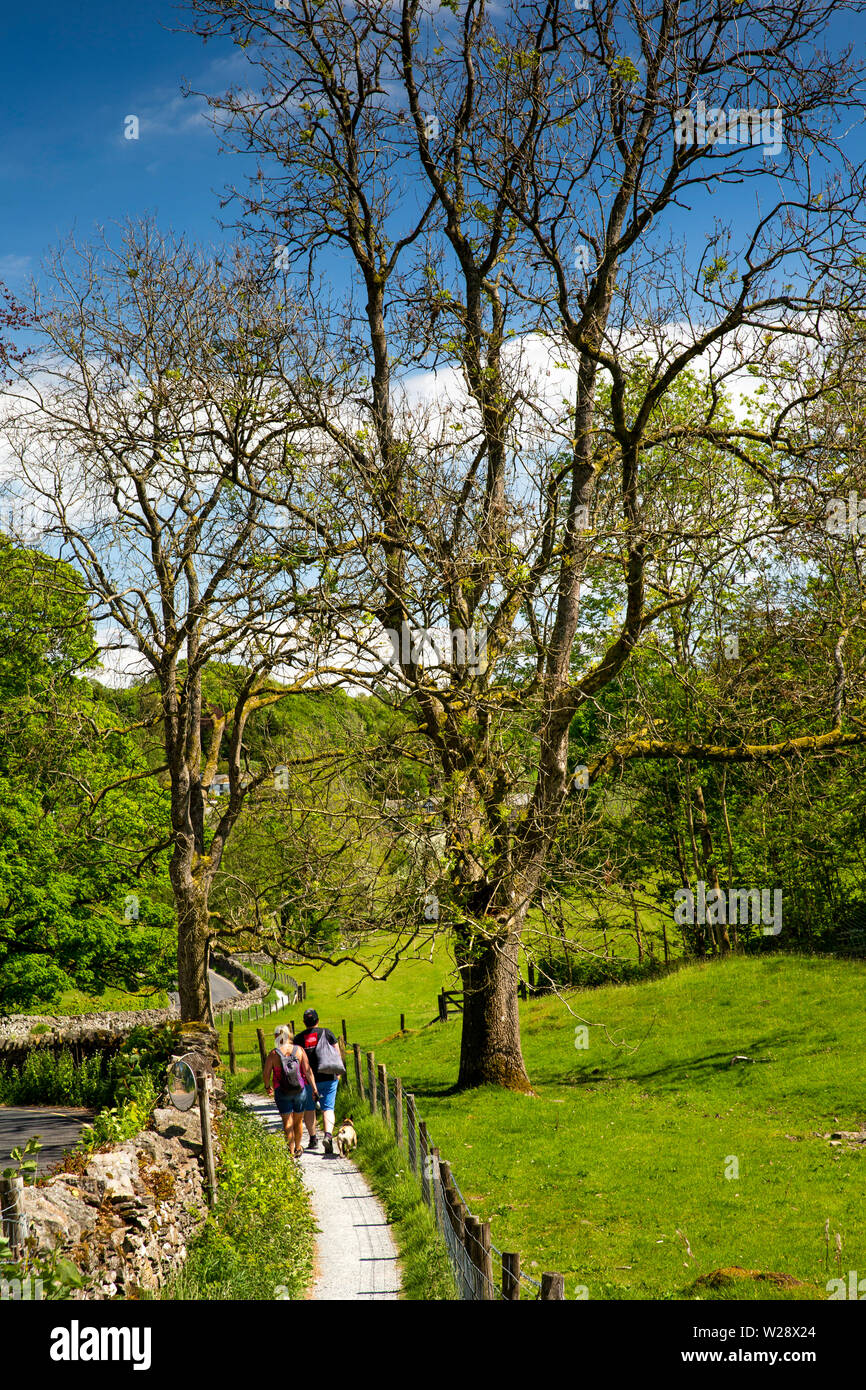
(181, 1085)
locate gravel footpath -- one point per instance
(355, 1254)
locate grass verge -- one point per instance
(258, 1241)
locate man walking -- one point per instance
(321, 1048)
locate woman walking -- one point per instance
(288, 1076)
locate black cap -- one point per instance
(310, 1017)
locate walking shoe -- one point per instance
(314, 1141)
(328, 1143)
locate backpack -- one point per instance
(328, 1059)
(288, 1070)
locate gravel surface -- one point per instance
(355, 1253)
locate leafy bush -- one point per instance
(137, 1069)
(44, 1079)
(258, 1241)
(588, 972)
(117, 1123)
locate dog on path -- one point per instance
(346, 1138)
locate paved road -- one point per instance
(220, 988)
(356, 1257)
(58, 1128)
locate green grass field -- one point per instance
(646, 1159)
(74, 1001)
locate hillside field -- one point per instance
(647, 1159)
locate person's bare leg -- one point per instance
(287, 1125)
(298, 1122)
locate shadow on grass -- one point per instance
(672, 1073)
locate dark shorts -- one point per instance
(289, 1104)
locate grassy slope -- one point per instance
(74, 1001)
(627, 1142)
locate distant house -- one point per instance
(220, 785)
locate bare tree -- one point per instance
(146, 425)
(501, 192)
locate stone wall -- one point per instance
(82, 1034)
(125, 1215)
(85, 1034)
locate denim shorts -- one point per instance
(290, 1104)
(327, 1092)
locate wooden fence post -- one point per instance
(356, 1048)
(232, 1062)
(552, 1286)
(345, 1034)
(410, 1126)
(398, 1111)
(423, 1153)
(14, 1223)
(402, 1023)
(292, 1026)
(435, 1181)
(510, 1276)
(485, 1262)
(207, 1137)
(443, 1009)
(371, 1078)
(262, 1049)
(342, 1049)
(472, 1246)
(383, 1091)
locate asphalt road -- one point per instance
(220, 988)
(58, 1127)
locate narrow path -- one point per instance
(356, 1257)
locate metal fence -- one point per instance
(482, 1272)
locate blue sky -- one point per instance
(70, 75)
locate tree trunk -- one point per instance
(490, 1051)
(192, 953)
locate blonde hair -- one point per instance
(282, 1035)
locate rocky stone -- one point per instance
(178, 1124)
(69, 1200)
(51, 1225)
(116, 1170)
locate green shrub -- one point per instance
(116, 1123)
(44, 1079)
(258, 1241)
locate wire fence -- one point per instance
(482, 1272)
(296, 993)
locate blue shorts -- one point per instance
(289, 1104)
(327, 1092)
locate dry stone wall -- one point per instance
(125, 1215)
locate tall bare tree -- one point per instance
(146, 425)
(487, 193)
